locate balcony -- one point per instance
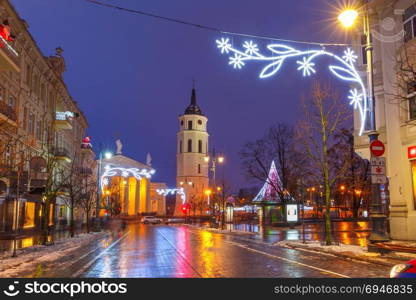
(8, 114)
(62, 154)
(9, 58)
(63, 120)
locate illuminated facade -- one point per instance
(191, 149)
(38, 116)
(394, 31)
(126, 187)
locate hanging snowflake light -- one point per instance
(179, 191)
(124, 172)
(344, 68)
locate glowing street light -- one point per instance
(348, 17)
(108, 155)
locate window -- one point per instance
(28, 73)
(199, 146)
(199, 169)
(39, 130)
(409, 23)
(189, 145)
(413, 166)
(11, 101)
(25, 118)
(2, 93)
(31, 126)
(29, 215)
(180, 147)
(411, 96)
(189, 125)
(35, 84)
(42, 92)
(182, 123)
(199, 122)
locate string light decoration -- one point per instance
(272, 188)
(344, 68)
(179, 191)
(124, 172)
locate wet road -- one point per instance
(180, 251)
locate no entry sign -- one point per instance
(377, 148)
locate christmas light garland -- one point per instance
(345, 68)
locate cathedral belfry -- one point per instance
(191, 167)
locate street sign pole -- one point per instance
(377, 216)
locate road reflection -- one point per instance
(349, 233)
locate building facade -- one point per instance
(393, 29)
(39, 123)
(191, 167)
(125, 186)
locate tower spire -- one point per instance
(193, 108)
(193, 96)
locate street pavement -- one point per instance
(156, 251)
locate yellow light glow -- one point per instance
(208, 192)
(221, 159)
(29, 219)
(206, 158)
(348, 17)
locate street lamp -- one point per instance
(107, 155)
(214, 159)
(348, 17)
(378, 219)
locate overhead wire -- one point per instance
(210, 28)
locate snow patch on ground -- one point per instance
(29, 258)
(316, 245)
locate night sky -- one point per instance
(132, 75)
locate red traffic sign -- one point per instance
(377, 148)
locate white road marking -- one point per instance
(293, 261)
(82, 270)
(286, 259)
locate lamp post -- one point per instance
(214, 159)
(378, 219)
(107, 155)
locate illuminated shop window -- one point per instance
(51, 207)
(413, 164)
(29, 220)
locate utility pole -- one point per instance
(377, 217)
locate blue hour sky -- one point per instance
(132, 75)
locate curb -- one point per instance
(345, 256)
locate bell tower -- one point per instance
(191, 167)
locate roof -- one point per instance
(193, 108)
(120, 160)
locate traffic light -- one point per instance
(185, 207)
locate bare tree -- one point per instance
(276, 145)
(357, 173)
(324, 114)
(89, 191)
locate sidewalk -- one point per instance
(350, 252)
(31, 261)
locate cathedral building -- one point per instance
(126, 187)
(191, 167)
